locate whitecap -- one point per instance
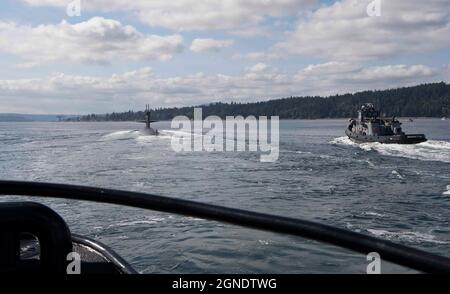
(448, 191)
(406, 236)
(303, 152)
(370, 163)
(264, 242)
(397, 174)
(139, 222)
(371, 213)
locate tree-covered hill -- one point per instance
(428, 100)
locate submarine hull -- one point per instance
(392, 139)
(149, 132)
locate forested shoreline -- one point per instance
(427, 100)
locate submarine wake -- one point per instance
(134, 134)
(121, 135)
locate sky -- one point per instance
(98, 56)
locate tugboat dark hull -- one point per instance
(392, 139)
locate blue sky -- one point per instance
(119, 55)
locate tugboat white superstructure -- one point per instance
(371, 127)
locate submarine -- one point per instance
(370, 127)
(148, 130)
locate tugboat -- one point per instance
(371, 127)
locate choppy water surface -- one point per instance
(396, 192)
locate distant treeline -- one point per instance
(428, 100)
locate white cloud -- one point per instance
(193, 14)
(71, 94)
(344, 31)
(331, 68)
(97, 40)
(210, 45)
(339, 77)
(258, 68)
(395, 72)
(251, 32)
(341, 34)
(259, 55)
